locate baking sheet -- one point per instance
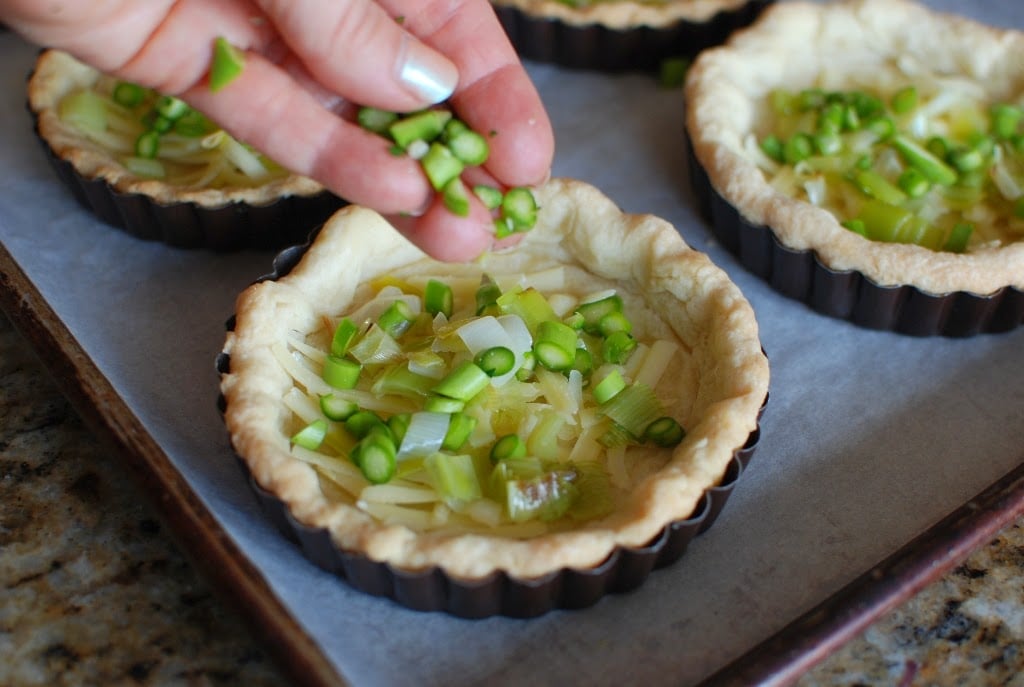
(869, 437)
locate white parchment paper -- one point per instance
(868, 439)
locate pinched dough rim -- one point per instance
(579, 226)
(788, 46)
(56, 74)
(626, 14)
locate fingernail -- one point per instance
(425, 73)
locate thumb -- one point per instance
(358, 51)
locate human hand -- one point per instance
(308, 63)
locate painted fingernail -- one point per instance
(425, 73)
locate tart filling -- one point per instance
(489, 464)
(883, 136)
(122, 141)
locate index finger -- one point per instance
(495, 95)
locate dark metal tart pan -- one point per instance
(800, 275)
(594, 46)
(499, 593)
(235, 226)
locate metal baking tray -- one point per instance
(883, 459)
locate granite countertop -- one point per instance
(94, 592)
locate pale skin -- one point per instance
(308, 63)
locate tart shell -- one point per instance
(620, 36)
(802, 250)
(269, 216)
(561, 569)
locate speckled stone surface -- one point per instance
(94, 592)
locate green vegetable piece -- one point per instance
(810, 99)
(128, 94)
(464, 382)
(634, 409)
(376, 120)
(453, 128)
(1005, 119)
(520, 208)
(1018, 207)
(596, 310)
(530, 304)
(856, 226)
(672, 72)
(506, 447)
(608, 387)
(883, 127)
(958, 237)
(438, 298)
(875, 185)
(170, 107)
(966, 159)
(618, 346)
(443, 404)
(147, 145)
(904, 100)
(341, 373)
(399, 425)
(311, 436)
(161, 124)
(193, 124)
(495, 361)
(454, 477)
(375, 455)
(144, 167)
(525, 370)
(399, 380)
(360, 423)
(827, 143)
(913, 183)
(799, 147)
(830, 119)
(456, 197)
(614, 322)
(344, 334)
(773, 147)
(487, 295)
(228, 63)
(488, 195)
(460, 427)
(425, 125)
(440, 166)
(882, 221)
(469, 147)
(555, 345)
(665, 432)
(583, 362)
(336, 408)
(934, 169)
(396, 318)
(86, 110)
(543, 439)
(547, 497)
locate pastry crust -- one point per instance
(672, 290)
(625, 14)
(57, 74)
(854, 43)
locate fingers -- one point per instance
(267, 108)
(495, 95)
(445, 236)
(356, 48)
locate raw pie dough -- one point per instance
(57, 74)
(716, 388)
(841, 45)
